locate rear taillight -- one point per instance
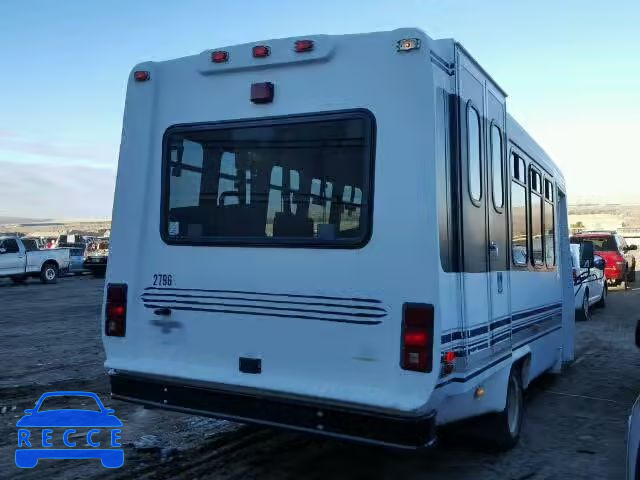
(417, 337)
(116, 310)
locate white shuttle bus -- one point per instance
(345, 235)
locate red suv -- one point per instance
(620, 263)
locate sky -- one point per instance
(571, 69)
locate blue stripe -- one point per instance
(496, 362)
(523, 314)
(530, 313)
(500, 338)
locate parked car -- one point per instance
(589, 284)
(97, 257)
(633, 435)
(19, 262)
(620, 262)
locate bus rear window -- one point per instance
(296, 181)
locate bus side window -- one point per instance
(549, 225)
(496, 168)
(536, 227)
(474, 159)
(519, 231)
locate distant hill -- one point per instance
(15, 220)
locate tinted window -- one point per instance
(496, 166)
(536, 229)
(600, 244)
(305, 182)
(30, 244)
(474, 157)
(519, 169)
(10, 245)
(549, 235)
(519, 224)
(535, 181)
(548, 190)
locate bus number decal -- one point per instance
(162, 280)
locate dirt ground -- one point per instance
(575, 424)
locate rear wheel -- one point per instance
(505, 426)
(585, 312)
(603, 298)
(49, 273)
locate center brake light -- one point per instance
(116, 310)
(417, 337)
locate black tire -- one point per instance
(19, 280)
(504, 427)
(49, 273)
(584, 313)
(603, 298)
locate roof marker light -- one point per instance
(260, 51)
(141, 75)
(303, 46)
(220, 56)
(407, 44)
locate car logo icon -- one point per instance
(84, 423)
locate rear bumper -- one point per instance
(400, 430)
(614, 273)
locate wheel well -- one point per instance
(524, 364)
(50, 262)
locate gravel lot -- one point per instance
(575, 425)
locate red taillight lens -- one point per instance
(116, 310)
(417, 337)
(260, 51)
(303, 46)
(141, 76)
(220, 56)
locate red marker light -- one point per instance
(220, 56)
(303, 46)
(260, 51)
(450, 357)
(141, 76)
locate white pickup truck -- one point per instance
(19, 262)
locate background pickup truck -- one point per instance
(19, 262)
